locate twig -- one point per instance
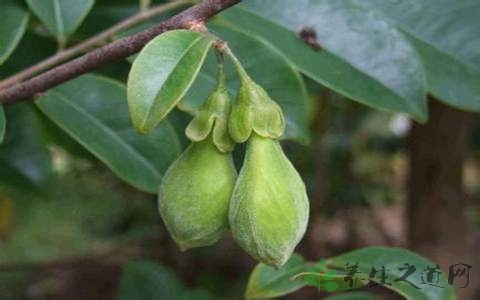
(112, 52)
(89, 43)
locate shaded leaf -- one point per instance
(148, 281)
(55, 135)
(13, 22)
(23, 56)
(268, 282)
(93, 110)
(392, 259)
(24, 158)
(162, 73)
(448, 39)
(364, 57)
(61, 17)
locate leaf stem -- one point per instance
(242, 73)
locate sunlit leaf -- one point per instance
(162, 73)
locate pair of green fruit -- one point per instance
(201, 197)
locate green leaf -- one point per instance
(392, 259)
(364, 57)
(148, 281)
(447, 39)
(268, 282)
(24, 158)
(312, 270)
(339, 280)
(329, 275)
(54, 135)
(93, 110)
(162, 73)
(311, 280)
(269, 68)
(61, 17)
(331, 286)
(13, 22)
(23, 56)
(353, 296)
(321, 265)
(3, 123)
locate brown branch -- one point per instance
(89, 43)
(112, 52)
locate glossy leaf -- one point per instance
(269, 68)
(3, 124)
(363, 56)
(148, 281)
(447, 38)
(61, 17)
(393, 259)
(13, 22)
(268, 282)
(24, 157)
(93, 110)
(162, 73)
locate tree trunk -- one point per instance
(438, 228)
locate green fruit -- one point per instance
(255, 111)
(195, 193)
(269, 207)
(212, 118)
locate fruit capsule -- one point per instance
(269, 207)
